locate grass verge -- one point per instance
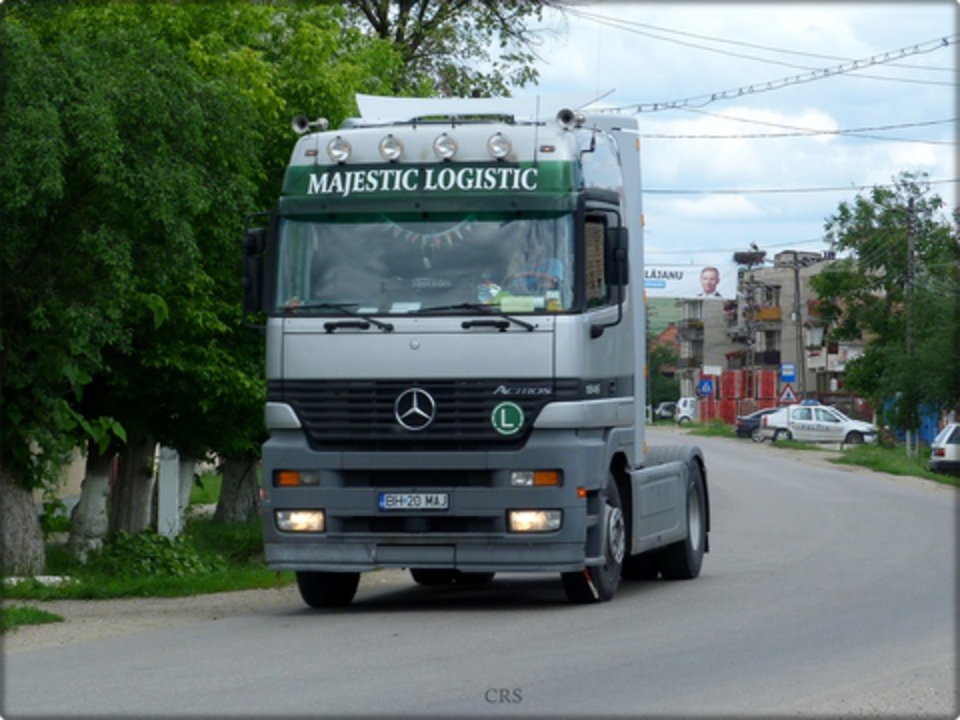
(208, 557)
(12, 616)
(893, 461)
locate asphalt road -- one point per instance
(828, 592)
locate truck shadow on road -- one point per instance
(509, 592)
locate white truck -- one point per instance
(455, 354)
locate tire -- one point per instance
(599, 583)
(782, 434)
(757, 436)
(327, 589)
(640, 567)
(683, 421)
(853, 438)
(683, 560)
(432, 577)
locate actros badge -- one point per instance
(415, 409)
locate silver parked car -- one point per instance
(945, 451)
(816, 424)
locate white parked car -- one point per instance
(685, 411)
(945, 451)
(816, 424)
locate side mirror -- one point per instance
(254, 245)
(616, 259)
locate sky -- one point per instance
(723, 168)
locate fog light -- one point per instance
(311, 521)
(535, 478)
(391, 148)
(339, 150)
(445, 147)
(499, 146)
(534, 521)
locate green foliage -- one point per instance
(456, 47)
(909, 314)
(237, 544)
(151, 554)
(714, 428)
(207, 557)
(12, 616)
(893, 461)
(206, 489)
(664, 387)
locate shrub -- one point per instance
(150, 554)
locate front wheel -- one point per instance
(327, 589)
(599, 583)
(683, 560)
(854, 438)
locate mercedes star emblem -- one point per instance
(415, 409)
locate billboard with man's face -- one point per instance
(691, 281)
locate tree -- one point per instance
(899, 289)
(140, 136)
(54, 322)
(457, 47)
(664, 386)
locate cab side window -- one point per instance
(597, 293)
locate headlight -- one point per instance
(534, 521)
(339, 150)
(310, 521)
(535, 478)
(444, 147)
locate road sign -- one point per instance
(705, 388)
(788, 372)
(787, 395)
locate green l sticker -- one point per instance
(507, 418)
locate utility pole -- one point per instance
(798, 320)
(912, 439)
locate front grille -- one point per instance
(360, 414)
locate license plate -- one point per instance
(414, 501)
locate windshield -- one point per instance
(403, 264)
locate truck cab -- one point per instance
(454, 352)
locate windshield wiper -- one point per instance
(343, 309)
(481, 308)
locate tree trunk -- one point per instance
(188, 466)
(239, 493)
(21, 539)
(89, 522)
(132, 504)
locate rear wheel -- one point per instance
(600, 582)
(683, 560)
(327, 589)
(782, 434)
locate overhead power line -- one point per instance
(768, 191)
(811, 76)
(806, 132)
(632, 26)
